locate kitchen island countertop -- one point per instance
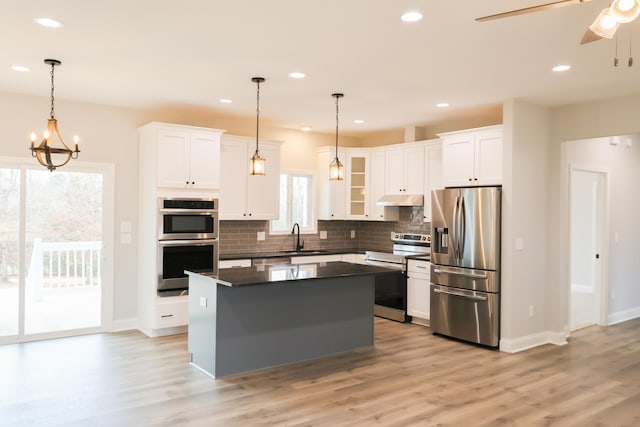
(268, 274)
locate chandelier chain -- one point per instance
(52, 87)
(257, 112)
(337, 116)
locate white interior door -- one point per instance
(588, 227)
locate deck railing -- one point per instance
(64, 265)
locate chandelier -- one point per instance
(48, 155)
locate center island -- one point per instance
(250, 318)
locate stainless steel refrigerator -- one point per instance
(465, 264)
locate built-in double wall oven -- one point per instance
(187, 240)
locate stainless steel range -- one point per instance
(391, 288)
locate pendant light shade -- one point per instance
(256, 165)
(624, 11)
(49, 153)
(336, 170)
(605, 24)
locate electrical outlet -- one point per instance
(203, 302)
(323, 234)
(353, 234)
(531, 312)
(261, 235)
(519, 244)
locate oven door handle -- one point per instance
(459, 273)
(460, 294)
(199, 242)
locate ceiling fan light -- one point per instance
(604, 25)
(624, 11)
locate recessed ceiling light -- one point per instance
(297, 75)
(226, 101)
(48, 22)
(411, 16)
(305, 128)
(561, 68)
(442, 104)
(358, 121)
(19, 68)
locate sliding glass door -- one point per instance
(51, 252)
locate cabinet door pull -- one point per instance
(166, 315)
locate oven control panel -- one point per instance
(420, 239)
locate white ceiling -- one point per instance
(158, 53)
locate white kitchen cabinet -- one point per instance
(418, 289)
(404, 169)
(354, 258)
(243, 196)
(173, 312)
(472, 157)
(332, 195)
(357, 184)
(187, 157)
(432, 174)
(304, 259)
(234, 263)
(377, 178)
(170, 155)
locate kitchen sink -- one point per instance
(306, 252)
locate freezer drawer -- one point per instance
(465, 278)
(467, 315)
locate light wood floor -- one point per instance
(410, 378)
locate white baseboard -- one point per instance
(530, 341)
(623, 316)
(124, 325)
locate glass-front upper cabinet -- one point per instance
(358, 176)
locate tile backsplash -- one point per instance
(237, 237)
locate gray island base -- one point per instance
(264, 316)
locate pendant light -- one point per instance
(257, 161)
(45, 152)
(335, 168)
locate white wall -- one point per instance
(110, 135)
(527, 134)
(615, 116)
(623, 164)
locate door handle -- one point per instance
(459, 294)
(459, 273)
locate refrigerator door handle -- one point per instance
(462, 228)
(459, 273)
(454, 241)
(460, 294)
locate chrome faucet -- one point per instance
(293, 231)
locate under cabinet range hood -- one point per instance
(401, 200)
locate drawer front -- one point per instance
(169, 315)
(233, 263)
(418, 266)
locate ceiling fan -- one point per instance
(604, 26)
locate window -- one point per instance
(296, 203)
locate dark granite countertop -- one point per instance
(423, 257)
(265, 274)
(276, 254)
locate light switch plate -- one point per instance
(519, 244)
(125, 227)
(203, 302)
(125, 238)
